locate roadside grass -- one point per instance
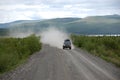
(106, 47)
(15, 51)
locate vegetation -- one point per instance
(4, 32)
(108, 24)
(106, 47)
(14, 51)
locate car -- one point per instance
(67, 44)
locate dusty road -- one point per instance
(57, 64)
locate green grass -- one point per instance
(14, 51)
(106, 47)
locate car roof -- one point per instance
(67, 40)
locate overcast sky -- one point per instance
(11, 10)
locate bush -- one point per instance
(14, 51)
(106, 47)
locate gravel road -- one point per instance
(56, 64)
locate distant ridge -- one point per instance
(109, 24)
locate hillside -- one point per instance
(4, 31)
(96, 25)
(109, 24)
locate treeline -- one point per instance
(4, 32)
(106, 47)
(14, 51)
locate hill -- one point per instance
(4, 32)
(109, 24)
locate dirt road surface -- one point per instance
(57, 64)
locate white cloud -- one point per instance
(11, 10)
(55, 14)
(22, 6)
(13, 15)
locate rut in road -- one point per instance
(57, 64)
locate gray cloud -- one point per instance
(11, 10)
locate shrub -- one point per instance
(106, 47)
(14, 51)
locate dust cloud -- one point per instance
(20, 34)
(54, 37)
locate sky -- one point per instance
(12, 10)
